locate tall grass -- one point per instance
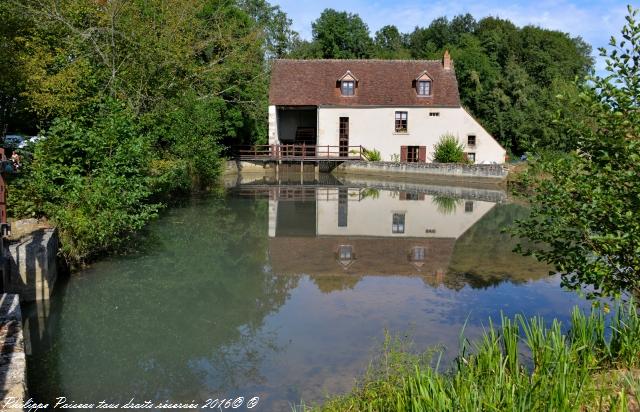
(520, 365)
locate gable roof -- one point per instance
(380, 83)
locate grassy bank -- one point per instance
(519, 365)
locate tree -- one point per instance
(136, 100)
(341, 35)
(389, 43)
(279, 37)
(585, 205)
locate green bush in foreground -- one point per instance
(449, 150)
(521, 365)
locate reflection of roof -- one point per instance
(371, 255)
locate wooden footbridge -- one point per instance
(299, 153)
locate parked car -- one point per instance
(13, 141)
(30, 140)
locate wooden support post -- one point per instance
(316, 171)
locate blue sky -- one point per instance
(594, 21)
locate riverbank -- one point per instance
(593, 366)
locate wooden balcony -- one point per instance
(299, 153)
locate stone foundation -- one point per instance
(33, 266)
(13, 367)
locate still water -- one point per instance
(284, 292)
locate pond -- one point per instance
(284, 292)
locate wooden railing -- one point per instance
(299, 152)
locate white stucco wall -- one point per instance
(273, 125)
(374, 128)
(373, 217)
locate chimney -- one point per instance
(446, 60)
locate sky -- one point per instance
(594, 21)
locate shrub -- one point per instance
(91, 177)
(449, 150)
(372, 155)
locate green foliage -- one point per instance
(389, 44)
(446, 205)
(137, 100)
(90, 177)
(563, 373)
(448, 150)
(584, 217)
(372, 155)
(341, 35)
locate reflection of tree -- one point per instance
(328, 283)
(483, 256)
(446, 205)
(184, 318)
(370, 192)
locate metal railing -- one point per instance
(299, 152)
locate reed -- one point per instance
(519, 365)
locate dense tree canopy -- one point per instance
(135, 100)
(585, 203)
(341, 35)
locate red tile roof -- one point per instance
(380, 83)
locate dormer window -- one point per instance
(347, 84)
(423, 84)
(424, 87)
(348, 87)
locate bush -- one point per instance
(91, 177)
(449, 150)
(372, 155)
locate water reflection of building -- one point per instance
(330, 231)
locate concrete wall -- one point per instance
(33, 268)
(13, 364)
(374, 128)
(489, 173)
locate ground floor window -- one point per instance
(413, 154)
(471, 157)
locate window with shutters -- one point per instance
(413, 154)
